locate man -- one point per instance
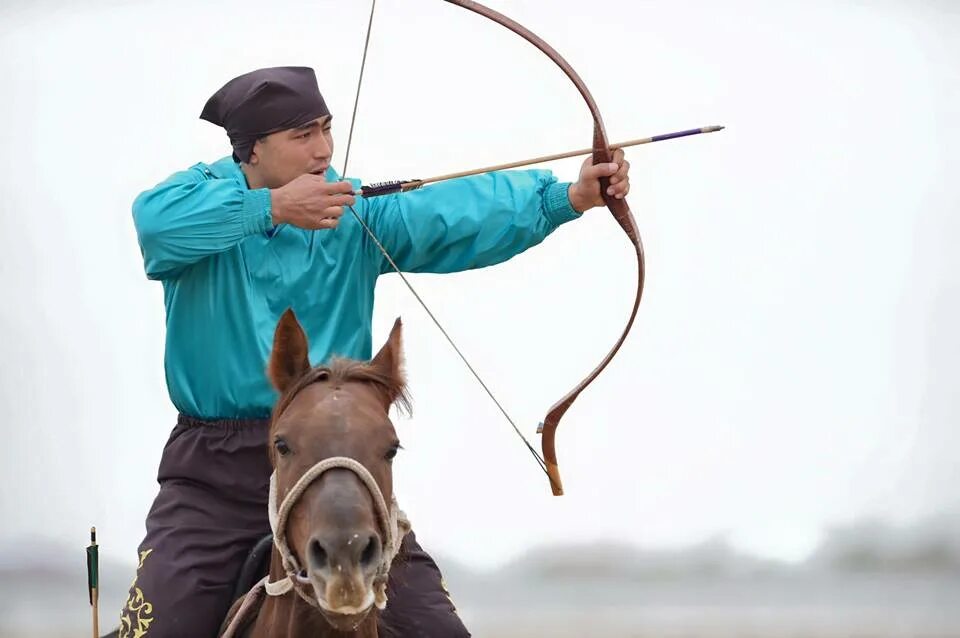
(237, 242)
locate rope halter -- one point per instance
(392, 521)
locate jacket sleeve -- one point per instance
(192, 215)
(468, 223)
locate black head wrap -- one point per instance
(262, 102)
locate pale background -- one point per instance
(795, 363)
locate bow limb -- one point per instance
(548, 428)
(618, 208)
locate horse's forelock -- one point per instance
(394, 386)
(346, 371)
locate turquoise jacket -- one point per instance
(228, 273)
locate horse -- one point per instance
(336, 526)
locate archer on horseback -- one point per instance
(238, 241)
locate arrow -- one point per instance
(385, 188)
(93, 579)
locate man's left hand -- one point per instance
(585, 193)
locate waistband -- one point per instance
(190, 421)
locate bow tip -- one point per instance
(553, 472)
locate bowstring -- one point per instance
(393, 264)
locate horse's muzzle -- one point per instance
(341, 565)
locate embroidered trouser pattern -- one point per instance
(209, 513)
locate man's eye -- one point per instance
(282, 448)
(304, 136)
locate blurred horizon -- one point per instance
(866, 579)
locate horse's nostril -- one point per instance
(371, 551)
(318, 555)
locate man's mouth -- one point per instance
(319, 171)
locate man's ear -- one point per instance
(255, 151)
(289, 358)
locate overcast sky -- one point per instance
(795, 362)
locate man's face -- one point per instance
(285, 155)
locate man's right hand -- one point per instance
(310, 202)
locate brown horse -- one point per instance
(335, 522)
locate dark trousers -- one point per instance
(211, 511)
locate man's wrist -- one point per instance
(577, 202)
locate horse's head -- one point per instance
(332, 495)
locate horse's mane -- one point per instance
(341, 370)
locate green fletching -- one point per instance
(93, 569)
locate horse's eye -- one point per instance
(282, 448)
(392, 452)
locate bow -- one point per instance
(619, 208)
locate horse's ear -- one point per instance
(289, 359)
(389, 361)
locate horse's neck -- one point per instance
(290, 616)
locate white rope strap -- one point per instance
(393, 524)
(278, 588)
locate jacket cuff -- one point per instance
(256, 215)
(557, 208)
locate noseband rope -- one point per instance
(393, 524)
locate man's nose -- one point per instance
(322, 149)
